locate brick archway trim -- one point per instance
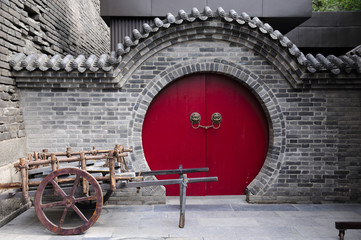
(249, 79)
(212, 30)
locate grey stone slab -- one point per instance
(215, 232)
(272, 232)
(281, 222)
(285, 221)
(101, 232)
(255, 214)
(140, 238)
(262, 207)
(353, 234)
(132, 208)
(303, 215)
(68, 237)
(97, 238)
(328, 207)
(209, 207)
(29, 236)
(317, 231)
(339, 215)
(166, 208)
(228, 222)
(253, 238)
(200, 207)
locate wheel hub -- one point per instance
(69, 201)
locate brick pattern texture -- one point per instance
(38, 26)
(49, 27)
(314, 133)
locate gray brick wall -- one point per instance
(320, 148)
(77, 118)
(48, 27)
(314, 127)
(11, 118)
(38, 26)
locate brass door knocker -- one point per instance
(216, 119)
(195, 120)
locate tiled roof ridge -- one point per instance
(105, 62)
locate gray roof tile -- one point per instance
(346, 63)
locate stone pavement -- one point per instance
(222, 217)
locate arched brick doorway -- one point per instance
(235, 152)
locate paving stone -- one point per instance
(261, 207)
(307, 222)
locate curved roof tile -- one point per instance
(105, 62)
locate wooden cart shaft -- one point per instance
(71, 182)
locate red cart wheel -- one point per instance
(56, 203)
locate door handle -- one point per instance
(195, 119)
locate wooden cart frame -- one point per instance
(79, 181)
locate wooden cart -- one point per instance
(69, 188)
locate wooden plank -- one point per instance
(47, 170)
(86, 152)
(71, 159)
(39, 179)
(126, 174)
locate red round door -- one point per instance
(234, 150)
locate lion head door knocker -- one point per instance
(216, 120)
(195, 119)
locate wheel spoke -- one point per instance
(53, 204)
(81, 215)
(66, 202)
(82, 199)
(58, 188)
(63, 217)
(76, 181)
